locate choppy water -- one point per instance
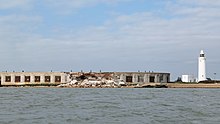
(109, 106)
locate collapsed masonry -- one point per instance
(86, 80)
(114, 79)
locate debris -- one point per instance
(87, 80)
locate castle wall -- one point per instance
(24, 78)
(143, 77)
(53, 78)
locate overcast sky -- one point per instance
(110, 35)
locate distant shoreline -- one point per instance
(199, 85)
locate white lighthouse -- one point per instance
(202, 67)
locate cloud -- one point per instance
(17, 25)
(158, 41)
(16, 30)
(68, 6)
(169, 40)
(8, 4)
(80, 3)
(204, 3)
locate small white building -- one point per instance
(188, 78)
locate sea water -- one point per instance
(109, 106)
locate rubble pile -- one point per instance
(92, 80)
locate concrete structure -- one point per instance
(188, 78)
(202, 67)
(143, 77)
(128, 77)
(32, 78)
(56, 78)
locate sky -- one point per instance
(110, 35)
